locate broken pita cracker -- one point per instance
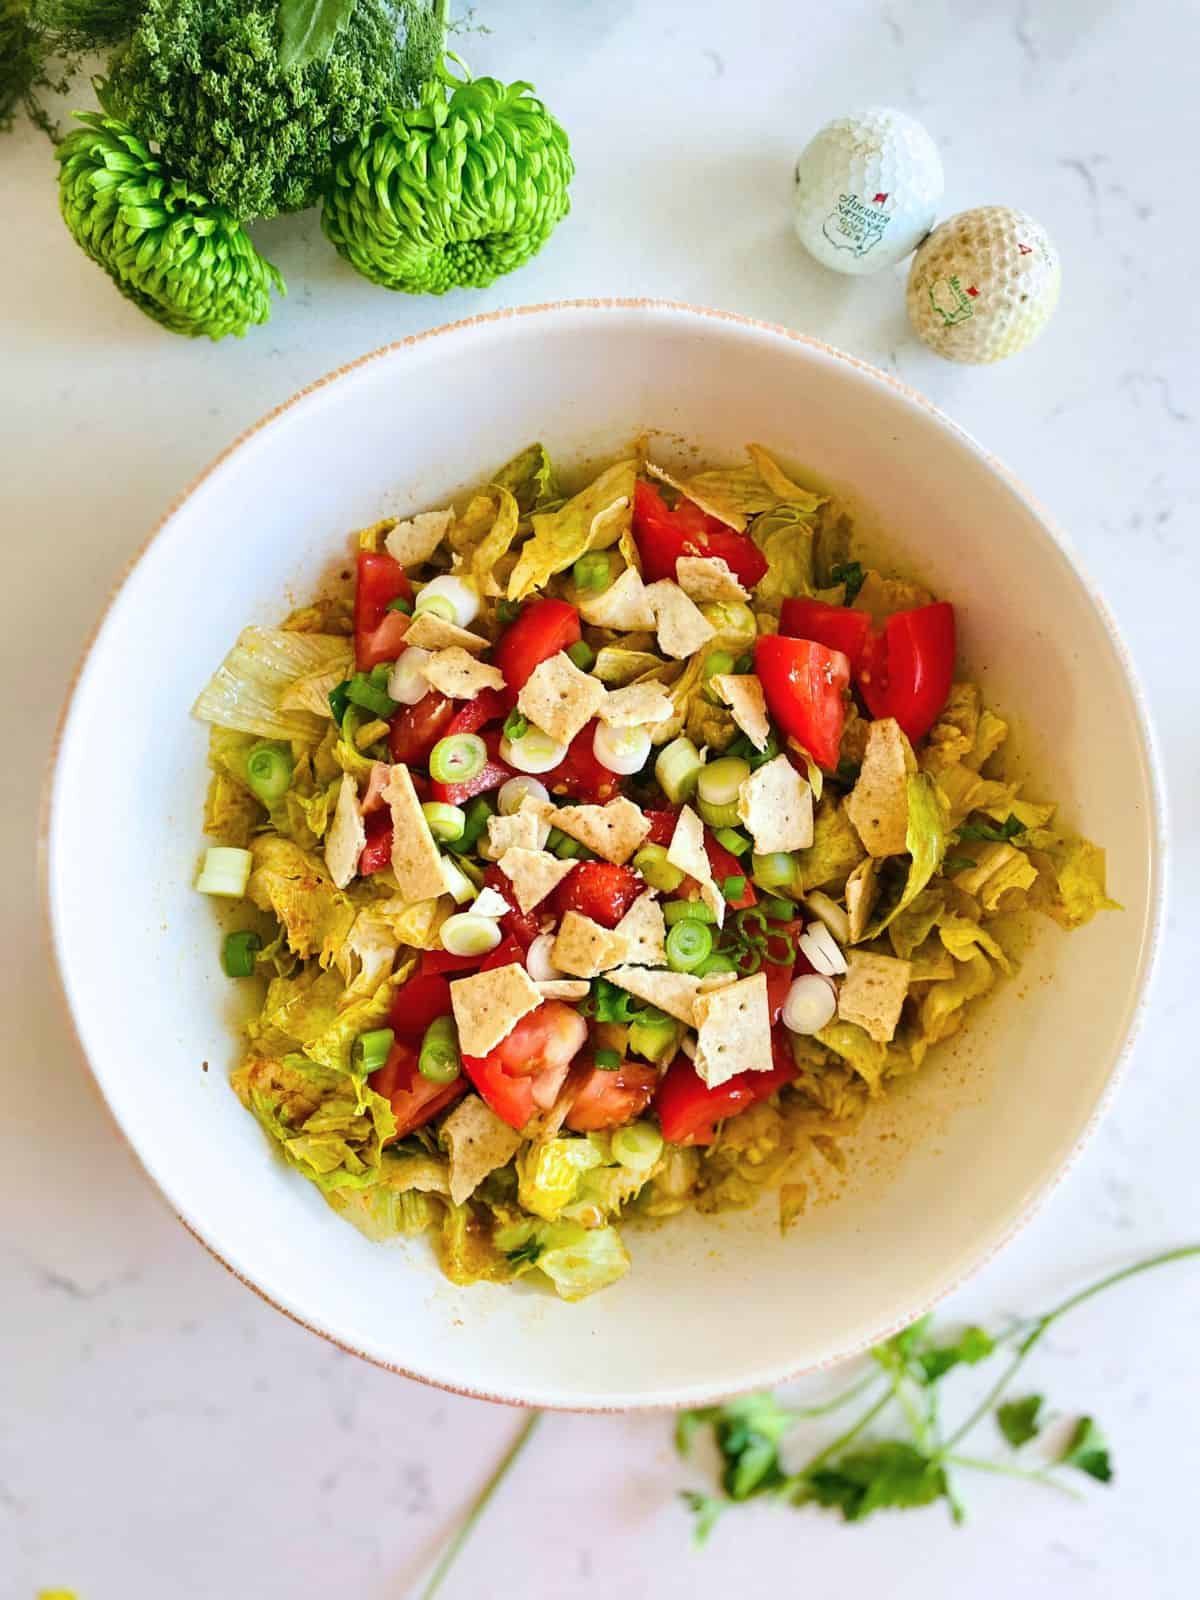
(672, 992)
(533, 874)
(681, 628)
(489, 903)
(872, 993)
(706, 579)
(860, 894)
(614, 831)
(416, 861)
(559, 699)
(644, 929)
(717, 980)
(775, 805)
(347, 835)
(878, 803)
(456, 674)
(743, 694)
(414, 541)
(478, 1142)
(431, 632)
(733, 1031)
(488, 1005)
(523, 830)
(636, 705)
(564, 988)
(686, 851)
(585, 949)
(622, 606)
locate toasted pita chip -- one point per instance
(622, 606)
(560, 699)
(533, 874)
(523, 830)
(456, 674)
(614, 831)
(681, 628)
(564, 988)
(430, 632)
(672, 992)
(717, 980)
(478, 1142)
(872, 993)
(636, 705)
(733, 1031)
(416, 861)
(489, 903)
(488, 1005)
(708, 578)
(686, 851)
(743, 694)
(644, 929)
(878, 803)
(585, 949)
(860, 894)
(775, 804)
(347, 835)
(414, 541)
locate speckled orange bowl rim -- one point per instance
(911, 397)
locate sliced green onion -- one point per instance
(225, 871)
(369, 690)
(238, 953)
(456, 881)
(339, 699)
(400, 604)
(437, 605)
(592, 571)
(779, 948)
(607, 1060)
(651, 861)
(716, 661)
(457, 759)
(734, 841)
(451, 598)
(534, 752)
(748, 958)
(446, 822)
(582, 654)
(777, 910)
(734, 886)
(269, 772)
(439, 1059)
(677, 769)
(776, 871)
(751, 923)
(638, 1146)
(511, 796)
(714, 963)
(516, 726)
(563, 846)
(477, 813)
(654, 1035)
(743, 665)
(372, 1049)
(718, 816)
(720, 782)
(687, 911)
(688, 944)
(466, 934)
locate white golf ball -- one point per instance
(983, 285)
(867, 190)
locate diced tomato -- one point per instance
(908, 670)
(805, 686)
(599, 890)
(435, 962)
(414, 1099)
(689, 1111)
(836, 627)
(543, 628)
(662, 825)
(663, 536)
(579, 776)
(489, 705)
(490, 776)
(377, 852)
(527, 1068)
(608, 1099)
(372, 801)
(520, 925)
(378, 632)
(416, 729)
(417, 1003)
(509, 952)
(780, 973)
(724, 864)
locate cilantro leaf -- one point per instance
(1020, 1420)
(971, 1346)
(689, 1423)
(891, 1475)
(706, 1509)
(852, 575)
(1087, 1450)
(992, 832)
(748, 1431)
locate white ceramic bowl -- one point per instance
(949, 1166)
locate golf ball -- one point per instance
(867, 190)
(983, 285)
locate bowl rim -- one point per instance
(1157, 826)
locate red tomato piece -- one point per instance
(599, 890)
(416, 729)
(528, 1067)
(378, 632)
(377, 852)
(422, 1000)
(663, 536)
(489, 705)
(520, 925)
(724, 864)
(543, 629)
(662, 825)
(579, 776)
(689, 1111)
(414, 1099)
(509, 952)
(836, 627)
(909, 670)
(805, 686)
(608, 1099)
(490, 776)
(435, 962)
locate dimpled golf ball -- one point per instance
(867, 190)
(983, 285)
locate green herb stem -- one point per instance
(1003, 1469)
(463, 1533)
(843, 1439)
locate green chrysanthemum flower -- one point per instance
(453, 193)
(185, 261)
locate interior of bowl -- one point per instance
(945, 1168)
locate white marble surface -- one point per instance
(162, 1433)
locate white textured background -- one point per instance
(162, 1433)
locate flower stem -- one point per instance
(463, 1533)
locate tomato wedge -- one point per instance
(543, 629)
(662, 825)
(523, 926)
(489, 705)
(908, 670)
(378, 632)
(414, 1099)
(805, 685)
(527, 1068)
(579, 776)
(836, 627)
(607, 1099)
(689, 1111)
(724, 864)
(422, 1000)
(377, 852)
(414, 730)
(663, 536)
(599, 890)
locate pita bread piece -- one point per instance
(456, 674)
(478, 1142)
(681, 628)
(614, 831)
(706, 579)
(416, 861)
(560, 699)
(489, 903)
(686, 851)
(743, 694)
(522, 830)
(636, 706)
(878, 803)
(533, 874)
(347, 835)
(733, 1031)
(872, 993)
(644, 929)
(622, 606)
(414, 541)
(672, 992)
(564, 988)
(488, 1005)
(585, 949)
(430, 632)
(775, 804)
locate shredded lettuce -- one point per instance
(295, 886)
(327, 1123)
(529, 478)
(549, 1173)
(835, 851)
(616, 667)
(785, 537)
(246, 689)
(941, 1009)
(1072, 870)
(735, 494)
(926, 844)
(599, 516)
(577, 1260)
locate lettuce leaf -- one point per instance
(926, 844)
(295, 886)
(599, 516)
(858, 1050)
(962, 938)
(882, 597)
(245, 691)
(231, 813)
(1072, 877)
(616, 667)
(529, 478)
(835, 851)
(404, 1199)
(296, 1009)
(493, 548)
(548, 1174)
(735, 494)
(368, 954)
(912, 926)
(785, 537)
(603, 1194)
(577, 1260)
(469, 1249)
(1000, 870)
(333, 1046)
(941, 1010)
(328, 1125)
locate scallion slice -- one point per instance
(465, 934)
(651, 861)
(734, 886)
(372, 1049)
(457, 759)
(369, 690)
(592, 571)
(439, 1059)
(734, 841)
(607, 1060)
(687, 911)
(638, 1146)
(688, 944)
(238, 953)
(720, 781)
(269, 772)
(225, 871)
(582, 654)
(677, 769)
(446, 822)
